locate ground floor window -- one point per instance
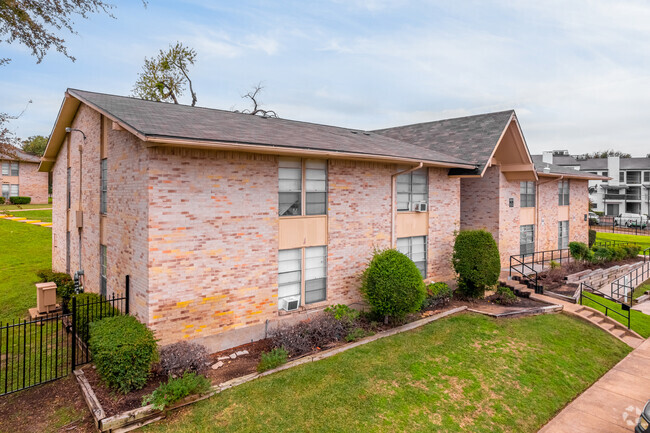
(563, 234)
(302, 276)
(415, 248)
(102, 269)
(527, 239)
(9, 191)
(13, 191)
(612, 209)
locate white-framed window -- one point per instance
(5, 191)
(14, 168)
(103, 181)
(306, 283)
(14, 191)
(102, 269)
(302, 181)
(527, 239)
(527, 193)
(563, 192)
(563, 234)
(412, 188)
(6, 168)
(415, 248)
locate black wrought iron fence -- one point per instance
(49, 348)
(621, 224)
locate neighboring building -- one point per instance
(225, 221)
(626, 191)
(19, 176)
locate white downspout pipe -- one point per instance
(393, 196)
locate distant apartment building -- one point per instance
(627, 190)
(19, 176)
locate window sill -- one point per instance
(293, 217)
(305, 309)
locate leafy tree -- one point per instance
(163, 78)
(603, 154)
(35, 145)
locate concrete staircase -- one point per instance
(588, 314)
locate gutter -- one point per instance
(393, 196)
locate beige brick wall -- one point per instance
(578, 207)
(547, 233)
(509, 224)
(444, 220)
(59, 209)
(31, 182)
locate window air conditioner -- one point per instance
(290, 303)
(421, 206)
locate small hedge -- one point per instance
(124, 351)
(392, 285)
(177, 389)
(20, 200)
(438, 294)
(592, 238)
(600, 253)
(477, 262)
(91, 307)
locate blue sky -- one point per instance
(577, 73)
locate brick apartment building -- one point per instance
(19, 176)
(224, 221)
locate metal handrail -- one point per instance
(527, 261)
(635, 279)
(523, 274)
(624, 307)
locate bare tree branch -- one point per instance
(256, 110)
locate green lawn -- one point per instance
(644, 241)
(43, 215)
(639, 322)
(8, 207)
(639, 291)
(464, 373)
(24, 249)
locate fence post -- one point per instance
(126, 293)
(74, 332)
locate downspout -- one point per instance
(538, 184)
(393, 195)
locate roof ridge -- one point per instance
(512, 110)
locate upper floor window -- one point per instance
(415, 248)
(527, 190)
(646, 176)
(5, 168)
(621, 176)
(302, 181)
(10, 168)
(103, 181)
(563, 192)
(634, 177)
(412, 188)
(14, 168)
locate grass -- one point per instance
(8, 207)
(639, 322)
(25, 249)
(639, 291)
(43, 215)
(464, 373)
(644, 241)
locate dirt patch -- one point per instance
(54, 407)
(114, 402)
(240, 366)
(487, 305)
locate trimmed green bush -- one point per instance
(176, 389)
(124, 351)
(392, 285)
(343, 312)
(270, 360)
(505, 296)
(20, 200)
(579, 251)
(603, 254)
(91, 307)
(592, 238)
(438, 294)
(477, 262)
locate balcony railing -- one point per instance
(612, 196)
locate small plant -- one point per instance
(176, 389)
(270, 360)
(438, 294)
(182, 357)
(90, 308)
(477, 262)
(124, 351)
(504, 296)
(555, 265)
(603, 254)
(311, 334)
(592, 237)
(20, 200)
(392, 285)
(343, 312)
(579, 251)
(357, 334)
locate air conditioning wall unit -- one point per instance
(290, 303)
(420, 206)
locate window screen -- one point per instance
(316, 187)
(289, 273)
(14, 168)
(14, 191)
(527, 239)
(6, 168)
(415, 248)
(315, 274)
(563, 192)
(527, 191)
(412, 188)
(290, 187)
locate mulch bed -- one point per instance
(240, 366)
(112, 401)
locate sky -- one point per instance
(576, 72)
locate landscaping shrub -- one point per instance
(343, 312)
(592, 237)
(619, 252)
(20, 200)
(176, 389)
(91, 307)
(64, 285)
(438, 294)
(504, 296)
(182, 357)
(579, 251)
(392, 285)
(603, 254)
(477, 262)
(308, 335)
(555, 265)
(2, 200)
(123, 351)
(357, 334)
(270, 360)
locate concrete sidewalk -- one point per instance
(612, 404)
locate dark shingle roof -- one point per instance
(565, 160)
(14, 154)
(558, 169)
(472, 138)
(163, 120)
